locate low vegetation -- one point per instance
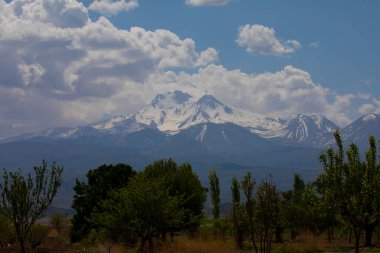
(161, 209)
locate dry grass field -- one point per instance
(183, 244)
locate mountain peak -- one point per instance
(212, 102)
(172, 97)
(180, 97)
(370, 117)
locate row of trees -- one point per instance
(345, 195)
(119, 204)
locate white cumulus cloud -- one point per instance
(366, 108)
(207, 2)
(283, 93)
(31, 74)
(61, 68)
(262, 40)
(113, 7)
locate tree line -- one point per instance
(345, 196)
(118, 204)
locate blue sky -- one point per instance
(69, 62)
(347, 34)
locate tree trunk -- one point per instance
(278, 235)
(357, 239)
(151, 246)
(330, 234)
(350, 237)
(253, 238)
(142, 245)
(368, 234)
(293, 234)
(163, 236)
(22, 244)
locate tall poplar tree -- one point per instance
(248, 185)
(214, 193)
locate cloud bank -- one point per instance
(60, 68)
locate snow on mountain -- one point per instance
(119, 125)
(311, 130)
(173, 112)
(359, 131)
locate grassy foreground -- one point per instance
(183, 244)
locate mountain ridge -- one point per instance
(173, 112)
(202, 131)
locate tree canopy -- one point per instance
(354, 185)
(26, 199)
(163, 198)
(89, 195)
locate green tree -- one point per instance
(238, 221)
(248, 185)
(150, 209)
(26, 199)
(354, 185)
(58, 222)
(295, 210)
(213, 180)
(89, 196)
(372, 178)
(112, 223)
(267, 214)
(102, 236)
(161, 199)
(181, 181)
(325, 212)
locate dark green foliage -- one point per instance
(150, 208)
(295, 212)
(238, 222)
(26, 199)
(112, 223)
(248, 185)
(268, 213)
(88, 196)
(353, 185)
(164, 198)
(214, 193)
(183, 182)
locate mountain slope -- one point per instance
(359, 131)
(174, 112)
(304, 130)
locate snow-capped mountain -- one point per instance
(306, 130)
(173, 112)
(359, 131)
(200, 130)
